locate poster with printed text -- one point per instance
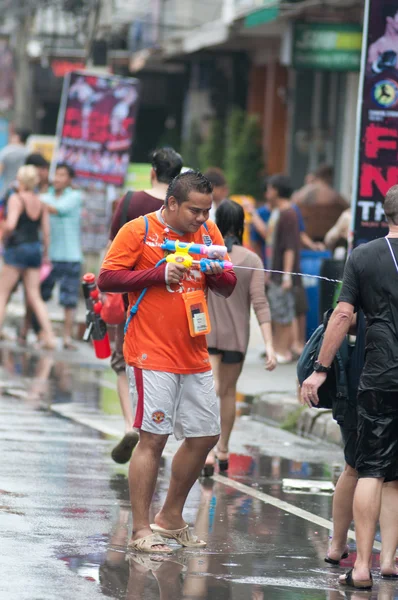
(96, 127)
(377, 156)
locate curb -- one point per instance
(285, 411)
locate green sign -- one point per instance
(332, 46)
(269, 11)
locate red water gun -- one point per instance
(96, 328)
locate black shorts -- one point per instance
(377, 446)
(228, 357)
(349, 437)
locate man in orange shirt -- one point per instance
(170, 369)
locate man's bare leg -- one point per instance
(68, 328)
(125, 402)
(342, 511)
(186, 468)
(143, 472)
(367, 502)
(389, 528)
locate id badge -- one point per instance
(197, 313)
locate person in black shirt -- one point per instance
(371, 284)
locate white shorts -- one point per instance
(166, 403)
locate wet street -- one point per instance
(65, 518)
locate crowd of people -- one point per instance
(40, 235)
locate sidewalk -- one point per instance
(275, 395)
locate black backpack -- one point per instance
(335, 388)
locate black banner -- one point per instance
(377, 166)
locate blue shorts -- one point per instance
(23, 256)
(68, 275)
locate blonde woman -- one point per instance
(26, 219)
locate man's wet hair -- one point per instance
(216, 177)
(391, 205)
(325, 173)
(63, 165)
(230, 219)
(22, 133)
(37, 160)
(282, 184)
(390, 9)
(166, 163)
(185, 183)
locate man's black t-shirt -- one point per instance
(371, 283)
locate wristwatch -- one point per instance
(319, 368)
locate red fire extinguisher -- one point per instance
(96, 327)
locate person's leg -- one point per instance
(229, 375)
(9, 278)
(122, 452)
(215, 362)
(143, 472)
(367, 502)
(69, 297)
(282, 341)
(31, 280)
(186, 468)
(197, 419)
(389, 528)
(342, 511)
(125, 403)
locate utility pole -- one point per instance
(24, 111)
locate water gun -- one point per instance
(96, 327)
(182, 254)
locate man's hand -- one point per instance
(174, 273)
(248, 206)
(287, 283)
(310, 387)
(214, 268)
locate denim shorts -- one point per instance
(68, 276)
(23, 256)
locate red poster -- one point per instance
(377, 166)
(96, 126)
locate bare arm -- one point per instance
(266, 332)
(307, 242)
(45, 227)
(14, 210)
(288, 264)
(338, 327)
(259, 225)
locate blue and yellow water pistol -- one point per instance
(182, 254)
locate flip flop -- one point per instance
(147, 562)
(121, 453)
(336, 563)
(183, 536)
(147, 543)
(365, 584)
(392, 576)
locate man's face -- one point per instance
(220, 192)
(43, 174)
(61, 179)
(272, 195)
(190, 215)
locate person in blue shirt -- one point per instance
(64, 205)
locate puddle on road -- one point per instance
(251, 554)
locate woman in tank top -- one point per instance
(26, 223)
(230, 322)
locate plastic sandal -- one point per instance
(182, 536)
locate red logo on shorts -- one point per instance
(158, 416)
